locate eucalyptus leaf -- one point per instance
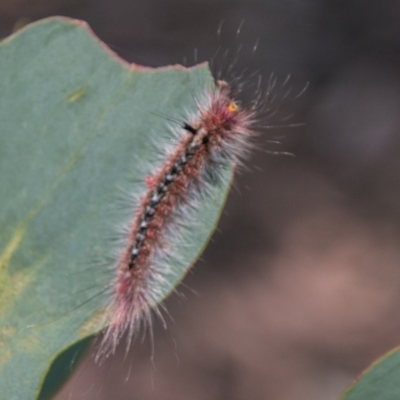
(381, 381)
(77, 126)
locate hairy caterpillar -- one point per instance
(216, 136)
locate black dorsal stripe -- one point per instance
(189, 128)
(160, 192)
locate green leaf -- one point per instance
(77, 123)
(381, 381)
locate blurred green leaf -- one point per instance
(381, 381)
(76, 125)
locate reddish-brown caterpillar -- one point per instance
(217, 136)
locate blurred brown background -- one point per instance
(299, 289)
